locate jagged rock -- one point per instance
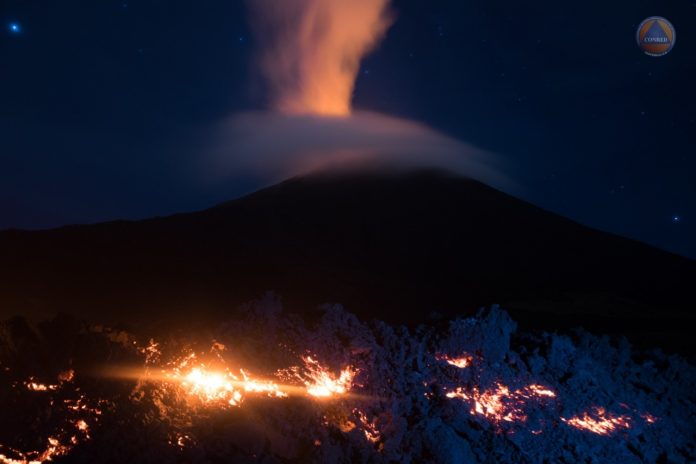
(509, 404)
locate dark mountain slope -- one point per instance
(396, 247)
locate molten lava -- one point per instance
(207, 379)
(462, 362)
(600, 421)
(500, 404)
(320, 382)
(74, 431)
(221, 385)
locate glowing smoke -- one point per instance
(311, 50)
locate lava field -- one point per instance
(269, 386)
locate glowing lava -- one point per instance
(206, 379)
(53, 450)
(500, 404)
(74, 431)
(462, 362)
(369, 427)
(211, 386)
(600, 422)
(320, 382)
(219, 385)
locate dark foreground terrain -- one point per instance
(410, 248)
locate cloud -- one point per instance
(272, 147)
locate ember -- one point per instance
(461, 362)
(54, 449)
(599, 421)
(320, 382)
(500, 404)
(369, 428)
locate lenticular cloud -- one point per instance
(274, 146)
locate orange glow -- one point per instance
(66, 437)
(311, 50)
(540, 390)
(206, 379)
(181, 441)
(34, 386)
(461, 362)
(320, 382)
(221, 385)
(500, 404)
(54, 449)
(369, 428)
(599, 421)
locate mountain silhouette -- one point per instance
(406, 248)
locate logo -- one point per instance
(656, 36)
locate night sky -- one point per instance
(101, 101)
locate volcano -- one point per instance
(178, 352)
(405, 248)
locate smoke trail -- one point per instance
(311, 50)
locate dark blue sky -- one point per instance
(97, 99)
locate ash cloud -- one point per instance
(310, 50)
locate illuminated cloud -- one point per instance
(310, 50)
(272, 147)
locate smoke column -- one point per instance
(311, 50)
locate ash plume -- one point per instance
(310, 50)
(309, 56)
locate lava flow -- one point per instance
(181, 400)
(319, 381)
(500, 403)
(219, 384)
(67, 401)
(462, 361)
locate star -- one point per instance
(676, 219)
(15, 28)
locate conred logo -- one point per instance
(656, 36)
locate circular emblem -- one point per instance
(656, 36)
